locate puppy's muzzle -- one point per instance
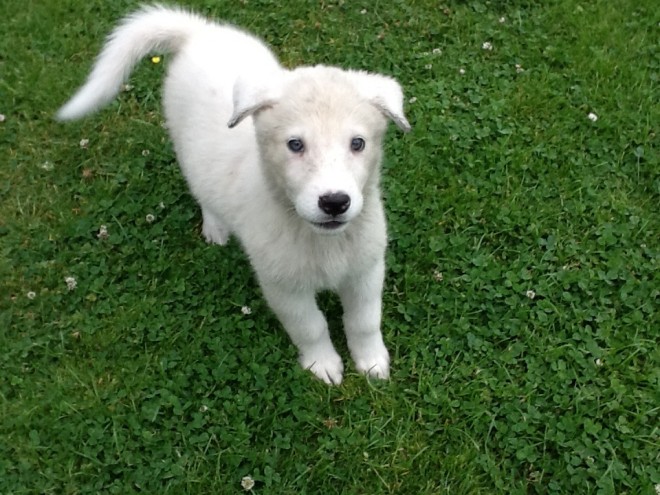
(334, 205)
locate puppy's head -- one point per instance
(320, 131)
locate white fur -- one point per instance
(231, 110)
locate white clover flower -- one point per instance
(2, 117)
(47, 166)
(247, 483)
(487, 45)
(412, 100)
(103, 232)
(592, 116)
(502, 20)
(519, 68)
(31, 295)
(657, 489)
(161, 205)
(363, 11)
(428, 66)
(150, 218)
(203, 408)
(146, 152)
(330, 423)
(127, 87)
(461, 71)
(437, 51)
(246, 310)
(84, 143)
(599, 362)
(71, 283)
(437, 276)
(531, 294)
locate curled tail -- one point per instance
(149, 29)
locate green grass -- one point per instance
(148, 377)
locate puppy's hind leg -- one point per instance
(214, 230)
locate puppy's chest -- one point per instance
(318, 265)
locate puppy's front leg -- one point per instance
(308, 329)
(361, 297)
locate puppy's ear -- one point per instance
(385, 94)
(254, 92)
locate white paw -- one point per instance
(215, 237)
(326, 365)
(373, 362)
(214, 232)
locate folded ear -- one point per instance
(254, 92)
(385, 94)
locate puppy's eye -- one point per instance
(357, 144)
(296, 145)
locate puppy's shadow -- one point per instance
(330, 305)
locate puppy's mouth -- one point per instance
(330, 225)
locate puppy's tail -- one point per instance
(149, 29)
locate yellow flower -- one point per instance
(155, 59)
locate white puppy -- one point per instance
(286, 160)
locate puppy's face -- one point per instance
(321, 147)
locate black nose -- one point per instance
(334, 204)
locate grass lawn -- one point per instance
(521, 301)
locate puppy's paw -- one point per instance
(214, 232)
(374, 362)
(326, 365)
